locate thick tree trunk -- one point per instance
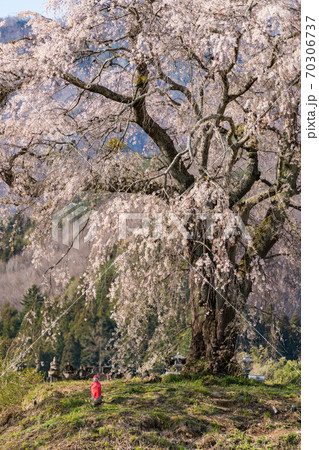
(215, 326)
(215, 312)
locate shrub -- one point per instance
(280, 371)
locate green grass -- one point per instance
(178, 413)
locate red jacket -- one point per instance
(96, 389)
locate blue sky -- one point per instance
(12, 7)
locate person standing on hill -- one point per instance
(96, 390)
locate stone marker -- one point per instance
(179, 361)
(54, 372)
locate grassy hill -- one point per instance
(176, 413)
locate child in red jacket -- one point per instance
(96, 390)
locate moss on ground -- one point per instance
(177, 413)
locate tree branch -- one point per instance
(98, 89)
(179, 87)
(251, 175)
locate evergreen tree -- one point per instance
(9, 321)
(32, 299)
(13, 236)
(31, 324)
(71, 351)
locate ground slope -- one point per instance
(177, 413)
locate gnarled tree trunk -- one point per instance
(215, 324)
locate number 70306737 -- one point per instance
(310, 47)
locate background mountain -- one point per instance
(14, 28)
